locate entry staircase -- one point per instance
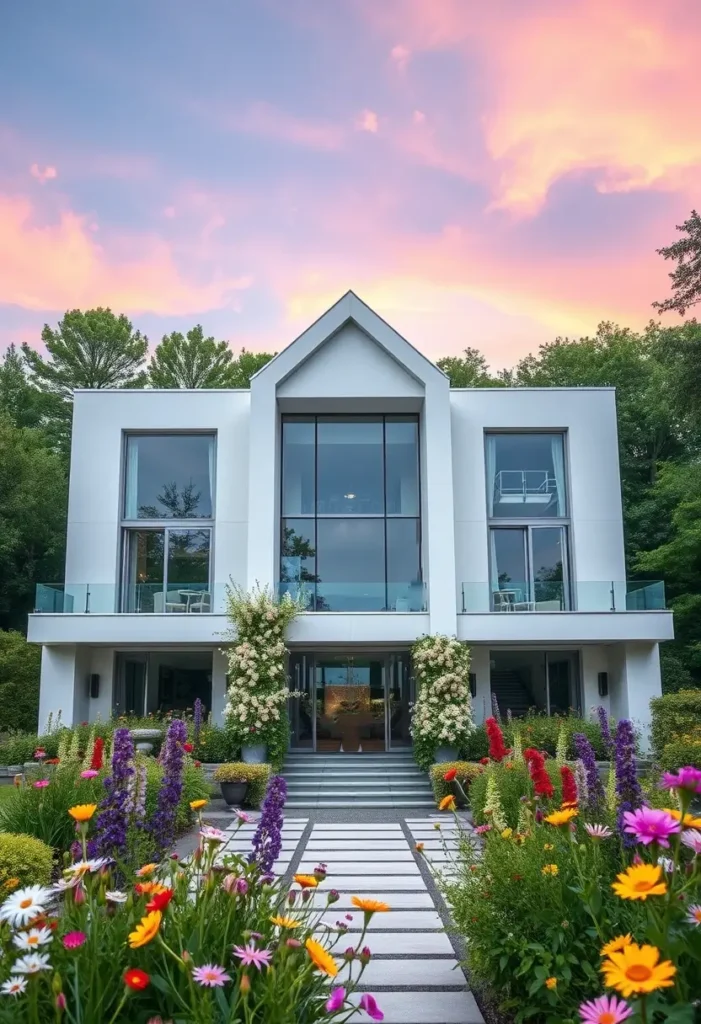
(511, 692)
(356, 780)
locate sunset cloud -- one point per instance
(367, 121)
(44, 174)
(401, 55)
(270, 122)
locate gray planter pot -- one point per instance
(446, 754)
(253, 754)
(234, 792)
(145, 739)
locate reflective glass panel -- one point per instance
(508, 569)
(350, 564)
(548, 547)
(402, 466)
(526, 476)
(350, 474)
(298, 457)
(169, 476)
(188, 571)
(145, 570)
(404, 585)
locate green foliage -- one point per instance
(216, 745)
(675, 716)
(682, 752)
(246, 365)
(466, 773)
(470, 370)
(686, 276)
(256, 775)
(43, 813)
(537, 730)
(19, 400)
(194, 788)
(25, 858)
(442, 714)
(513, 782)
(191, 361)
(20, 664)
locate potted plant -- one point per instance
(442, 715)
(233, 782)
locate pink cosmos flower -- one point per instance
(242, 816)
(650, 825)
(688, 778)
(598, 831)
(691, 837)
(252, 957)
(605, 1010)
(335, 1000)
(41, 784)
(210, 976)
(89, 773)
(693, 914)
(213, 835)
(369, 1004)
(481, 829)
(73, 940)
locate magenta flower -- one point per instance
(252, 957)
(481, 829)
(605, 1010)
(688, 778)
(210, 976)
(691, 837)
(41, 783)
(693, 914)
(89, 773)
(650, 825)
(73, 940)
(368, 1003)
(597, 831)
(335, 1000)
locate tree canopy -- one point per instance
(686, 276)
(191, 361)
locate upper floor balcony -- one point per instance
(563, 596)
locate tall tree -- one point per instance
(469, 370)
(19, 399)
(686, 277)
(246, 365)
(32, 519)
(91, 349)
(192, 361)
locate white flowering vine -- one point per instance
(442, 714)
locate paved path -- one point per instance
(414, 973)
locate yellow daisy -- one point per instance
(639, 882)
(370, 906)
(306, 881)
(551, 983)
(146, 929)
(636, 971)
(617, 944)
(550, 869)
(561, 817)
(689, 820)
(447, 803)
(82, 812)
(321, 958)
(285, 922)
(197, 805)
(147, 869)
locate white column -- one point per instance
(634, 680)
(58, 687)
(482, 703)
(438, 510)
(102, 664)
(263, 486)
(219, 669)
(594, 660)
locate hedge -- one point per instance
(675, 717)
(467, 771)
(24, 858)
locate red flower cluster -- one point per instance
(160, 900)
(188, 748)
(497, 750)
(450, 774)
(536, 767)
(96, 763)
(569, 787)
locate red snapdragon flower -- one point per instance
(96, 763)
(569, 787)
(450, 774)
(160, 900)
(497, 750)
(536, 768)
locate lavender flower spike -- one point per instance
(628, 789)
(586, 754)
(162, 824)
(113, 819)
(605, 731)
(267, 841)
(197, 725)
(495, 708)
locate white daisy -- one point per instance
(115, 896)
(63, 884)
(32, 939)
(82, 867)
(213, 835)
(32, 963)
(24, 904)
(14, 986)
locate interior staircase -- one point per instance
(356, 780)
(511, 692)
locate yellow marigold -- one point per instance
(550, 869)
(197, 805)
(147, 869)
(149, 888)
(321, 958)
(639, 882)
(689, 820)
(507, 833)
(548, 846)
(551, 983)
(370, 906)
(636, 971)
(146, 930)
(82, 812)
(306, 881)
(563, 817)
(617, 944)
(10, 884)
(285, 922)
(447, 803)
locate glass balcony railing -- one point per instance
(135, 599)
(556, 596)
(357, 597)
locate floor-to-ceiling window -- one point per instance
(167, 516)
(156, 682)
(527, 508)
(350, 512)
(541, 681)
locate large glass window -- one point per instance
(167, 570)
(169, 476)
(526, 476)
(350, 526)
(528, 568)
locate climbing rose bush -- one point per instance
(442, 714)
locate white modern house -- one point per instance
(353, 476)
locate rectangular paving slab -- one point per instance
(317, 848)
(378, 883)
(408, 974)
(395, 920)
(396, 900)
(367, 826)
(426, 1008)
(403, 943)
(369, 854)
(384, 868)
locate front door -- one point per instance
(350, 703)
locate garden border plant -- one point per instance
(442, 714)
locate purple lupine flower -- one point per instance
(495, 708)
(630, 796)
(267, 841)
(162, 824)
(606, 732)
(113, 819)
(197, 723)
(580, 778)
(586, 754)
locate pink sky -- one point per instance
(487, 175)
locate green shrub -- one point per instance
(676, 755)
(25, 858)
(537, 730)
(513, 782)
(256, 775)
(675, 716)
(216, 746)
(466, 773)
(20, 666)
(43, 813)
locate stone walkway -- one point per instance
(414, 973)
